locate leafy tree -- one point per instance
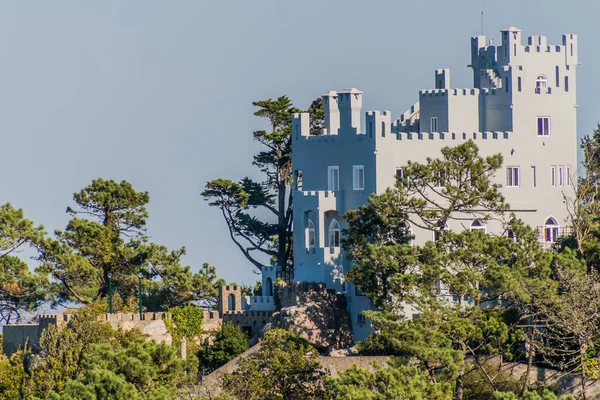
(395, 382)
(473, 268)
(21, 290)
(241, 201)
(284, 368)
(107, 235)
(87, 359)
(185, 322)
(228, 343)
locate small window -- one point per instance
(298, 177)
(334, 233)
(310, 234)
(477, 225)
(568, 173)
(399, 173)
(383, 128)
(512, 176)
(543, 126)
(433, 124)
(541, 84)
(358, 177)
(441, 179)
(557, 76)
(511, 234)
(333, 178)
(560, 176)
(566, 83)
(506, 84)
(534, 176)
(519, 87)
(361, 319)
(553, 176)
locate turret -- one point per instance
(442, 78)
(300, 125)
(570, 43)
(331, 112)
(350, 105)
(511, 45)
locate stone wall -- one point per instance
(317, 315)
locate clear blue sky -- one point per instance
(159, 92)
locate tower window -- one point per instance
(553, 175)
(541, 84)
(566, 83)
(334, 233)
(310, 234)
(512, 176)
(333, 178)
(534, 176)
(433, 124)
(560, 176)
(358, 177)
(543, 126)
(519, 84)
(568, 173)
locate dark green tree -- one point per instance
(286, 367)
(229, 342)
(241, 202)
(20, 289)
(107, 235)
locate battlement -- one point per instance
(318, 193)
(461, 136)
(449, 92)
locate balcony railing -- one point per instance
(548, 234)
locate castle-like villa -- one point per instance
(522, 105)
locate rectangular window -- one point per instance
(433, 124)
(333, 178)
(534, 177)
(560, 176)
(358, 177)
(543, 126)
(519, 83)
(506, 84)
(553, 176)
(568, 175)
(441, 179)
(399, 173)
(557, 76)
(298, 177)
(512, 176)
(361, 319)
(566, 83)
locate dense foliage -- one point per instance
(228, 343)
(88, 360)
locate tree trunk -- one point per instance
(529, 361)
(282, 228)
(459, 384)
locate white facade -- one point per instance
(522, 105)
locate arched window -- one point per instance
(269, 286)
(310, 234)
(550, 230)
(334, 233)
(477, 225)
(231, 302)
(541, 83)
